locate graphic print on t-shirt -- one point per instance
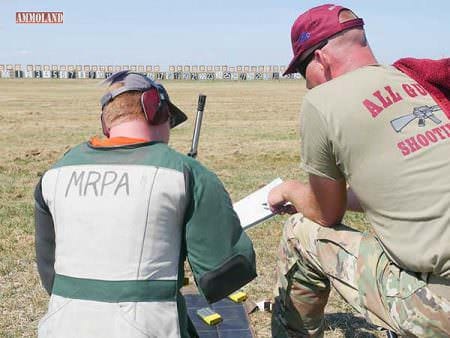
(421, 113)
(435, 131)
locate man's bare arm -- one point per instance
(322, 200)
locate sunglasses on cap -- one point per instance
(304, 64)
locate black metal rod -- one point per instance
(198, 125)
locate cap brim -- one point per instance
(292, 67)
(176, 115)
(298, 59)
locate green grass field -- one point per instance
(249, 136)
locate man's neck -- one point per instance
(140, 129)
(132, 129)
(363, 57)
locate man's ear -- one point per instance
(324, 61)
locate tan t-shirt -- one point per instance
(385, 135)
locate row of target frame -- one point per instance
(227, 75)
(147, 68)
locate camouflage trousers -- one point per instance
(314, 258)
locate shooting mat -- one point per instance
(235, 322)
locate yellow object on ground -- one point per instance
(209, 316)
(238, 296)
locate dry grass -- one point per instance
(249, 136)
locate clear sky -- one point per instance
(232, 32)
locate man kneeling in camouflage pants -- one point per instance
(313, 256)
(397, 274)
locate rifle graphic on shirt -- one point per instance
(422, 113)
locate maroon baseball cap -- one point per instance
(313, 27)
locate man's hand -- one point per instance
(322, 200)
(278, 203)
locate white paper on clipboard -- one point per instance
(253, 209)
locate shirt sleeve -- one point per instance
(219, 252)
(44, 240)
(317, 152)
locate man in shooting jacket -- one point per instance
(117, 217)
(374, 140)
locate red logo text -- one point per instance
(39, 17)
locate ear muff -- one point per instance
(155, 107)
